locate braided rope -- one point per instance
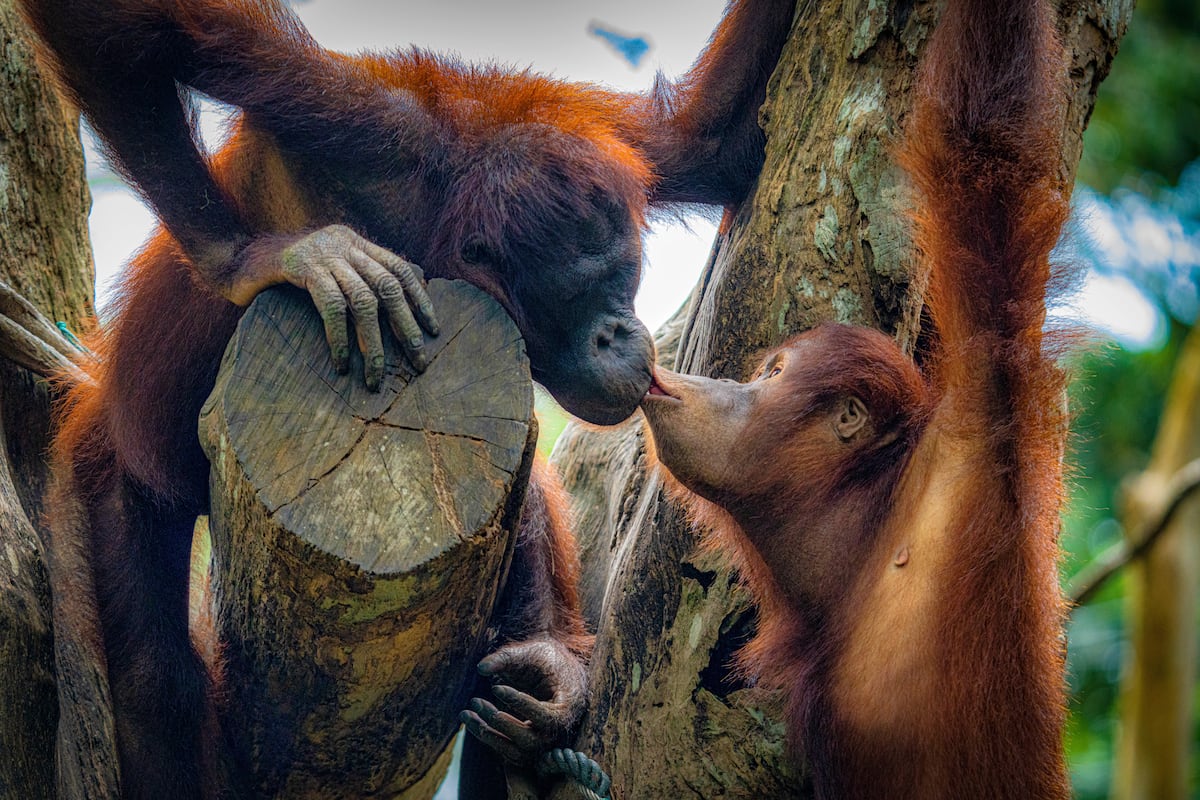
(574, 765)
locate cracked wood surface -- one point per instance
(360, 539)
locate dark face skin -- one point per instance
(571, 297)
(698, 425)
(585, 344)
(557, 245)
(570, 285)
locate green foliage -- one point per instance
(1146, 126)
(551, 420)
(1143, 135)
(1117, 397)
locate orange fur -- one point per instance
(563, 559)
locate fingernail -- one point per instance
(433, 328)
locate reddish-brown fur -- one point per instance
(551, 567)
(532, 188)
(899, 530)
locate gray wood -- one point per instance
(360, 539)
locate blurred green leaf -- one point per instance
(1116, 397)
(1146, 125)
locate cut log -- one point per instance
(360, 540)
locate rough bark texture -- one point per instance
(46, 256)
(45, 252)
(360, 540)
(28, 705)
(822, 237)
(1158, 685)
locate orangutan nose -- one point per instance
(614, 333)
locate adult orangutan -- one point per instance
(534, 189)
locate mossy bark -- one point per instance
(46, 256)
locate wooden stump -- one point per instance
(360, 540)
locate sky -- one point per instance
(553, 36)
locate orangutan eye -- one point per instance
(475, 251)
(775, 370)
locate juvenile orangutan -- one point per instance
(898, 527)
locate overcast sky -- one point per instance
(552, 36)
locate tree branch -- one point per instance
(29, 340)
(1089, 579)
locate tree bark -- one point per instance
(1158, 684)
(823, 237)
(360, 540)
(46, 256)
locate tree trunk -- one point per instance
(46, 256)
(823, 237)
(1159, 683)
(360, 540)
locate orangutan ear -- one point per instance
(852, 417)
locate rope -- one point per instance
(70, 337)
(585, 772)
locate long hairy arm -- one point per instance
(119, 62)
(983, 149)
(129, 64)
(701, 132)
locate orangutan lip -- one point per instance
(657, 390)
